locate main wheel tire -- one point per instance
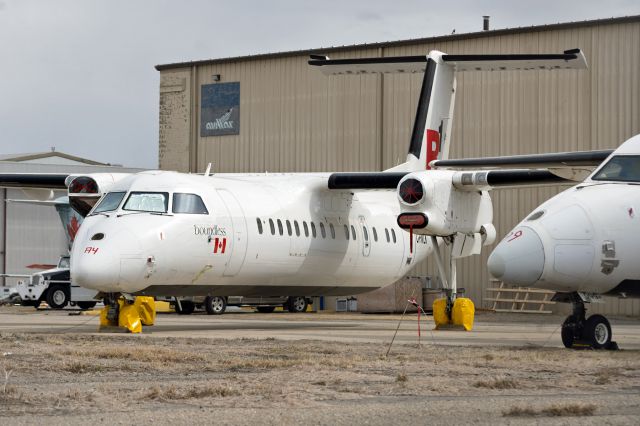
(597, 332)
(86, 305)
(265, 309)
(186, 307)
(215, 305)
(568, 333)
(57, 296)
(297, 304)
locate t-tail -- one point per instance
(434, 114)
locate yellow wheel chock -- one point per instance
(131, 316)
(462, 313)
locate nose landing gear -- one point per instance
(578, 331)
(122, 313)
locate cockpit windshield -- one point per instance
(154, 202)
(621, 168)
(109, 202)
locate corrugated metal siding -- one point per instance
(293, 118)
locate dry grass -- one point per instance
(570, 410)
(604, 376)
(401, 377)
(497, 384)
(142, 353)
(556, 410)
(172, 392)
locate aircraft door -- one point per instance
(366, 237)
(238, 249)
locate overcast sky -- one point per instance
(79, 75)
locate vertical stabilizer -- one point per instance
(432, 125)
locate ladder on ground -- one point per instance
(519, 299)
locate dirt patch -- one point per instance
(73, 378)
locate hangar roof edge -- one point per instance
(461, 36)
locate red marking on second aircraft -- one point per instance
(516, 234)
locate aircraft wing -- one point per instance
(572, 166)
(33, 180)
(471, 180)
(553, 160)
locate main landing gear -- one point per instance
(127, 313)
(578, 331)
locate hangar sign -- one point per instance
(220, 109)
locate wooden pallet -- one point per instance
(520, 299)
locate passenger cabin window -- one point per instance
(152, 202)
(322, 231)
(280, 227)
(375, 234)
(306, 228)
(386, 232)
(188, 204)
(288, 228)
(346, 232)
(365, 233)
(353, 233)
(393, 235)
(333, 231)
(259, 222)
(109, 202)
(313, 229)
(621, 168)
(273, 228)
(297, 228)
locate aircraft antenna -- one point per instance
(208, 171)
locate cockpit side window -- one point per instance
(188, 204)
(154, 202)
(109, 202)
(621, 168)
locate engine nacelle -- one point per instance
(85, 190)
(446, 209)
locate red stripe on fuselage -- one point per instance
(433, 146)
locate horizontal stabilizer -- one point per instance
(570, 59)
(559, 159)
(397, 64)
(33, 180)
(364, 180)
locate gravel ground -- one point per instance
(122, 379)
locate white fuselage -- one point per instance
(585, 239)
(232, 249)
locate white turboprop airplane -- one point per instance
(582, 243)
(306, 234)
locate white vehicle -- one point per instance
(306, 234)
(54, 287)
(582, 243)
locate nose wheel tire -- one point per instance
(86, 305)
(57, 296)
(186, 307)
(597, 332)
(215, 305)
(297, 304)
(569, 331)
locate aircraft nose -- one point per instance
(95, 270)
(519, 258)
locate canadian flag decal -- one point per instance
(219, 245)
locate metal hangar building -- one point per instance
(288, 117)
